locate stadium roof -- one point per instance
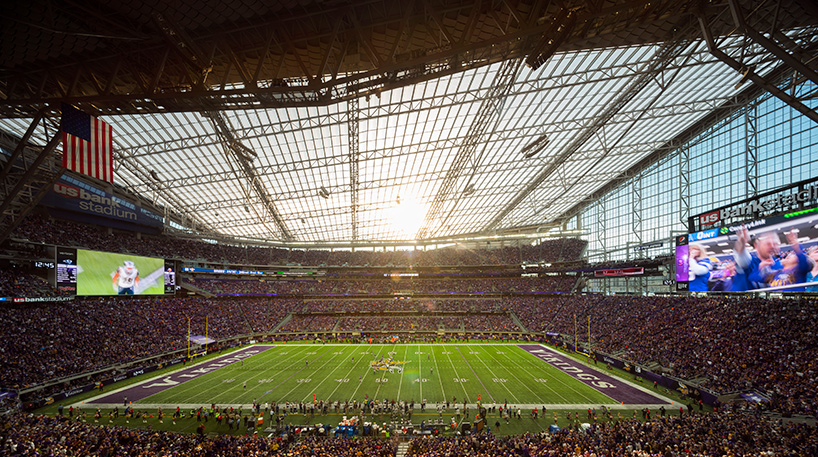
(375, 121)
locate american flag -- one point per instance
(87, 144)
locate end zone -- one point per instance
(156, 384)
(625, 393)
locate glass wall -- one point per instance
(761, 147)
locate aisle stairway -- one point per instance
(517, 321)
(403, 449)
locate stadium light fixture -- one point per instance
(323, 192)
(745, 75)
(535, 147)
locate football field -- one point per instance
(524, 375)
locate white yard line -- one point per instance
(400, 384)
(462, 384)
(494, 376)
(159, 377)
(380, 383)
(339, 383)
(359, 384)
(89, 403)
(420, 372)
(272, 370)
(328, 376)
(298, 385)
(550, 376)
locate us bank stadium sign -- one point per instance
(799, 196)
(76, 196)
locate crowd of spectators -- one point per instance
(44, 229)
(309, 323)
(711, 434)
(385, 286)
(357, 323)
(18, 283)
(30, 435)
(716, 434)
(491, 323)
(610, 264)
(46, 341)
(729, 343)
(723, 343)
(484, 323)
(421, 305)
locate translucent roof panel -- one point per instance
(440, 159)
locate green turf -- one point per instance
(437, 373)
(188, 424)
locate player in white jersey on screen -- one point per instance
(126, 278)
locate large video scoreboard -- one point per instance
(84, 272)
(766, 243)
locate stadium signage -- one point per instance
(799, 195)
(94, 203)
(72, 195)
(710, 218)
(780, 201)
(222, 271)
(570, 368)
(616, 272)
(749, 225)
(40, 299)
(644, 247)
(705, 235)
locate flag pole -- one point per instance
(575, 334)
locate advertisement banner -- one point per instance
(798, 196)
(77, 197)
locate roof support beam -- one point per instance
(751, 75)
(669, 51)
(675, 145)
(354, 161)
(21, 145)
(243, 156)
(29, 181)
(770, 45)
(490, 109)
(140, 80)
